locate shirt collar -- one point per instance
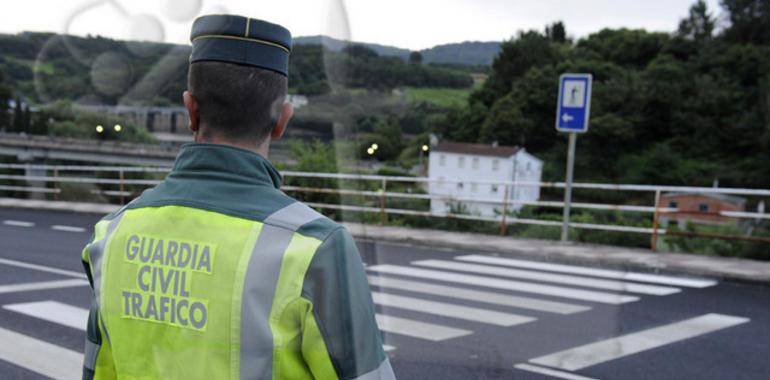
(226, 160)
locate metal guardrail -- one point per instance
(382, 195)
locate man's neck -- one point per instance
(261, 149)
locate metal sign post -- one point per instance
(572, 113)
(568, 187)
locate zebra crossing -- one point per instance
(516, 294)
(512, 283)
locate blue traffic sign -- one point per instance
(574, 107)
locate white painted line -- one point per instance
(551, 372)
(42, 268)
(416, 329)
(614, 348)
(613, 285)
(606, 273)
(388, 347)
(39, 356)
(519, 286)
(18, 223)
(52, 311)
(67, 228)
(478, 296)
(450, 310)
(29, 286)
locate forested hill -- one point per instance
(44, 67)
(682, 109)
(469, 53)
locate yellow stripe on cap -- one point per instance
(248, 21)
(222, 36)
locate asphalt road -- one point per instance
(445, 314)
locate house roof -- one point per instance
(476, 149)
(720, 197)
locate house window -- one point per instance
(529, 166)
(460, 185)
(475, 163)
(494, 188)
(473, 187)
(495, 165)
(442, 160)
(461, 162)
(703, 207)
(673, 204)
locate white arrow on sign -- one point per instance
(567, 118)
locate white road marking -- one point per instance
(617, 286)
(606, 273)
(67, 228)
(58, 284)
(519, 286)
(39, 356)
(416, 329)
(53, 311)
(42, 268)
(478, 296)
(618, 347)
(450, 310)
(18, 223)
(551, 372)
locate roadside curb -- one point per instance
(725, 268)
(87, 208)
(610, 257)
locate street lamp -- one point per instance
(99, 129)
(423, 150)
(118, 128)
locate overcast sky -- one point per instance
(413, 24)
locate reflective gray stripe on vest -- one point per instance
(89, 356)
(96, 255)
(259, 287)
(383, 372)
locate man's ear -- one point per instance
(287, 111)
(192, 111)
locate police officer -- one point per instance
(215, 273)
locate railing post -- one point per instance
(382, 201)
(505, 210)
(654, 241)
(122, 187)
(56, 184)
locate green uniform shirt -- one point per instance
(217, 274)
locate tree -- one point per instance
(26, 119)
(39, 124)
(5, 96)
(18, 117)
(556, 32)
(699, 25)
(506, 124)
(530, 49)
(749, 21)
(415, 58)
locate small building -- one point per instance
(462, 165)
(700, 207)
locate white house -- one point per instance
(467, 163)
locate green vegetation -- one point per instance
(44, 67)
(441, 97)
(677, 109)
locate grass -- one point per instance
(443, 97)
